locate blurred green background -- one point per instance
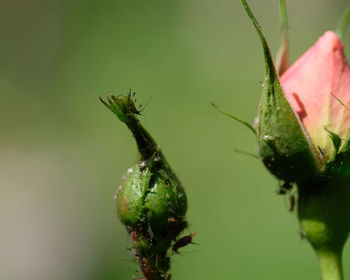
(63, 153)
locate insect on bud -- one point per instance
(151, 201)
(303, 137)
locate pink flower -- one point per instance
(311, 85)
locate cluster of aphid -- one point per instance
(146, 263)
(287, 189)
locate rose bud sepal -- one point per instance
(339, 164)
(284, 145)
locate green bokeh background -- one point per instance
(63, 153)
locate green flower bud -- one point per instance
(151, 193)
(151, 201)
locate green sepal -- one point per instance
(122, 106)
(284, 145)
(322, 153)
(343, 23)
(283, 18)
(282, 58)
(340, 165)
(336, 140)
(346, 146)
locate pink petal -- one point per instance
(309, 84)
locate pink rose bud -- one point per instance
(303, 134)
(303, 129)
(314, 85)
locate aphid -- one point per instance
(281, 191)
(130, 170)
(284, 188)
(115, 196)
(182, 242)
(133, 236)
(150, 231)
(292, 203)
(131, 103)
(141, 109)
(143, 166)
(157, 157)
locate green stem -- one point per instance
(330, 264)
(324, 216)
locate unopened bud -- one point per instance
(151, 201)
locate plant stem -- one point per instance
(330, 264)
(324, 215)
